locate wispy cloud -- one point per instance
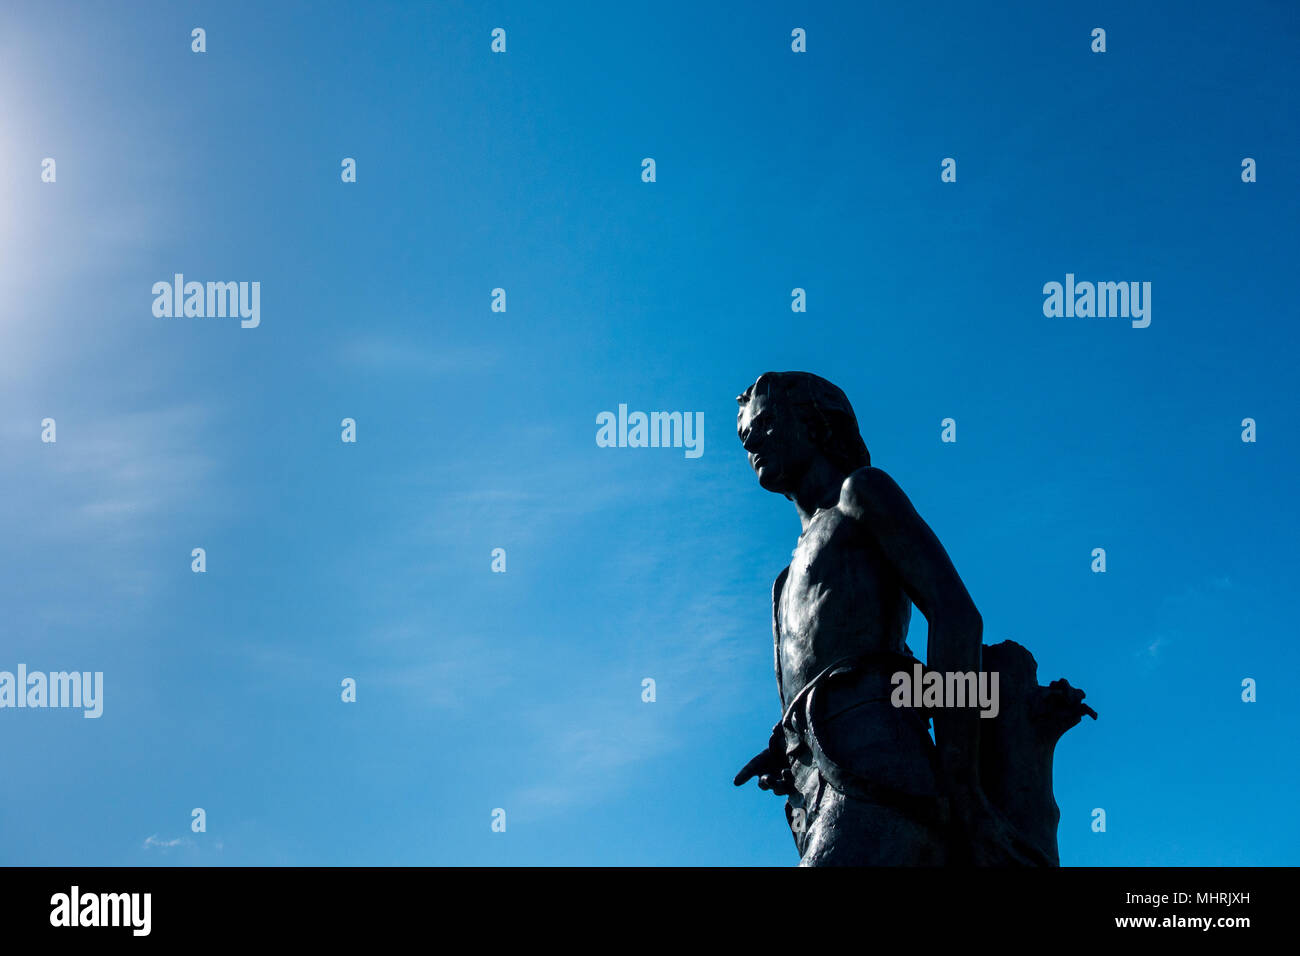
(108, 483)
(591, 747)
(593, 756)
(111, 470)
(1195, 599)
(154, 843)
(404, 356)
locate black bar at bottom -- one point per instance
(742, 909)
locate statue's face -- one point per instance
(780, 448)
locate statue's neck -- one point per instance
(818, 489)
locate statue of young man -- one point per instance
(865, 783)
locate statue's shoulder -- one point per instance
(868, 491)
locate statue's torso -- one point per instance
(840, 598)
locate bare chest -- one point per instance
(840, 598)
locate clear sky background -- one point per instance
(476, 429)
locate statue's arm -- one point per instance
(777, 587)
(956, 635)
(956, 629)
(771, 766)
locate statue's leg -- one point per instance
(847, 831)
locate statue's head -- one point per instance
(788, 419)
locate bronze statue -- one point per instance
(864, 781)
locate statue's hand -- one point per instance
(770, 766)
(991, 839)
(1061, 706)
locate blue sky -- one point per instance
(476, 429)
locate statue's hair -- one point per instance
(823, 405)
